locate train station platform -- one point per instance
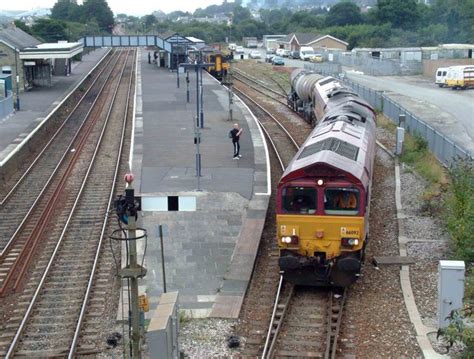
(38, 103)
(211, 236)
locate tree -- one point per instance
(21, 25)
(400, 13)
(241, 14)
(149, 21)
(50, 30)
(100, 11)
(66, 10)
(344, 13)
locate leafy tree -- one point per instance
(241, 14)
(21, 25)
(344, 13)
(304, 19)
(66, 10)
(400, 13)
(50, 30)
(149, 21)
(100, 11)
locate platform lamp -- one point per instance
(17, 82)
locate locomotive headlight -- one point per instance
(350, 242)
(320, 182)
(286, 239)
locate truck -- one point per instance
(306, 53)
(232, 46)
(460, 77)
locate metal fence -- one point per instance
(6, 105)
(444, 148)
(379, 67)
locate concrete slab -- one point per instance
(209, 253)
(393, 260)
(35, 105)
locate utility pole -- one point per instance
(17, 82)
(133, 271)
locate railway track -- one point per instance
(25, 203)
(56, 290)
(260, 87)
(294, 329)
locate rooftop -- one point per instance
(17, 38)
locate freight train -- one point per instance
(323, 197)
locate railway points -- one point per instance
(36, 105)
(210, 246)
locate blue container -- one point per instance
(8, 84)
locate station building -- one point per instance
(318, 42)
(30, 62)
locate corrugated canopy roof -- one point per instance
(16, 37)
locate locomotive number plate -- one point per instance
(350, 232)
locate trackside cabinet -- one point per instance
(450, 289)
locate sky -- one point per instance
(136, 8)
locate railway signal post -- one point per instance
(127, 209)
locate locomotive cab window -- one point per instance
(341, 201)
(300, 200)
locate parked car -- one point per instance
(294, 54)
(255, 55)
(277, 60)
(239, 50)
(316, 58)
(269, 57)
(279, 52)
(285, 53)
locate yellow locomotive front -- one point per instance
(321, 231)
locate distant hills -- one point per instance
(17, 14)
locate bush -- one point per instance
(459, 332)
(459, 207)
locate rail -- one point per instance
(56, 168)
(40, 286)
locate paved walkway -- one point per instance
(210, 246)
(37, 104)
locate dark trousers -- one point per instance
(236, 148)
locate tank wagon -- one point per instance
(323, 197)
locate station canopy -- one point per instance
(59, 50)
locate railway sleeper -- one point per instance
(59, 352)
(298, 354)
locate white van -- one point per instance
(440, 77)
(306, 53)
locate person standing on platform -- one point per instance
(149, 58)
(235, 134)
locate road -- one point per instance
(458, 103)
(449, 111)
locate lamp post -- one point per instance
(199, 120)
(17, 82)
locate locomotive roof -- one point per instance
(342, 145)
